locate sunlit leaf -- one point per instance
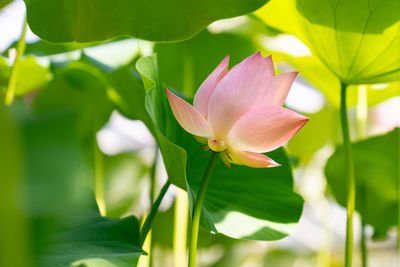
(32, 75)
(377, 175)
(87, 21)
(245, 203)
(357, 40)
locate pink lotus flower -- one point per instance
(239, 112)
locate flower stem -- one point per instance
(15, 69)
(154, 208)
(362, 119)
(194, 231)
(350, 176)
(152, 193)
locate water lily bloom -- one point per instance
(239, 112)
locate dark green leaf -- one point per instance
(92, 240)
(88, 21)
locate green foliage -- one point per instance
(124, 176)
(306, 142)
(167, 20)
(46, 157)
(377, 162)
(185, 65)
(244, 203)
(32, 76)
(4, 3)
(357, 40)
(103, 242)
(81, 88)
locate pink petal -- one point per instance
(188, 117)
(265, 129)
(277, 91)
(251, 159)
(281, 85)
(270, 65)
(237, 92)
(202, 96)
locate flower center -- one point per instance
(216, 145)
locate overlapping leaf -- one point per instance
(358, 40)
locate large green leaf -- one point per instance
(166, 20)
(174, 156)
(93, 241)
(377, 173)
(358, 40)
(245, 203)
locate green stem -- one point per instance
(362, 118)
(154, 208)
(153, 186)
(15, 69)
(350, 176)
(194, 231)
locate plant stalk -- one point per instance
(362, 119)
(152, 193)
(194, 231)
(153, 211)
(15, 69)
(349, 164)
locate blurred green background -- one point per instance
(78, 145)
